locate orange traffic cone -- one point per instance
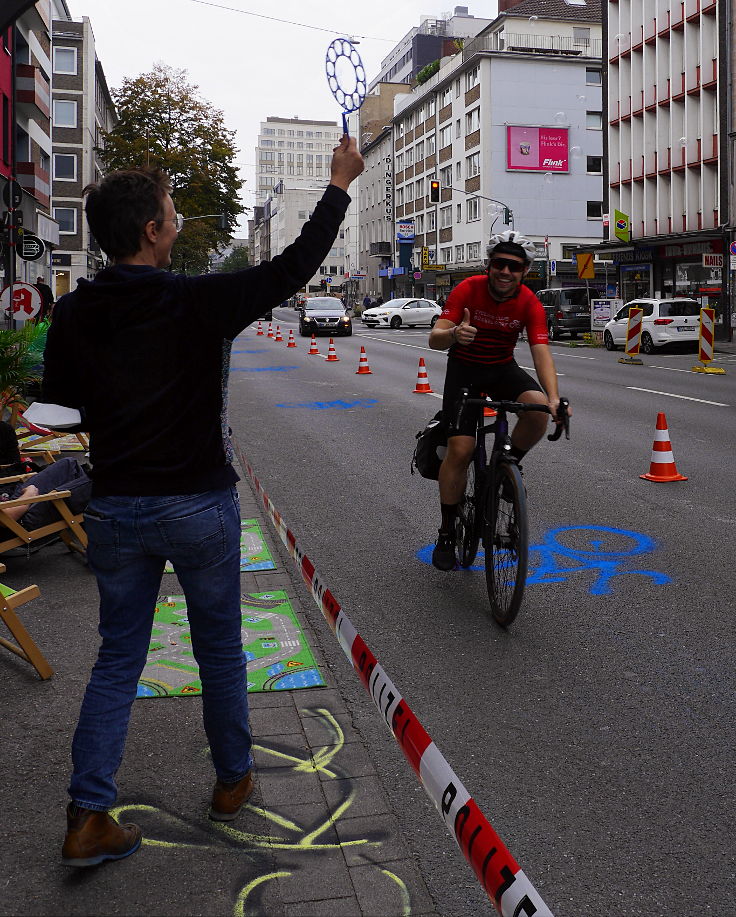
(278, 333)
(422, 380)
(363, 367)
(259, 333)
(313, 349)
(332, 356)
(662, 467)
(270, 330)
(292, 342)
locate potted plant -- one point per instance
(21, 365)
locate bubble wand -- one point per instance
(345, 77)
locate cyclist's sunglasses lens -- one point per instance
(500, 263)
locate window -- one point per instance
(457, 89)
(446, 176)
(472, 165)
(65, 60)
(594, 120)
(472, 209)
(400, 162)
(431, 145)
(399, 197)
(446, 136)
(458, 171)
(445, 217)
(473, 251)
(410, 156)
(431, 106)
(459, 214)
(595, 165)
(458, 131)
(471, 78)
(472, 121)
(595, 210)
(66, 217)
(580, 36)
(419, 151)
(65, 167)
(419, 224)
(431, 222)
(409, 193)
(459, 254)
(419, 188)
(592, 76)
(267, 142)
(446, 96)
(65, 113)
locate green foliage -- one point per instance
(426, 72)
(21, 359)
(164, 122)
(237, 260)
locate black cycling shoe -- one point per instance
(443, 556)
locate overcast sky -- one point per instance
(251, 66)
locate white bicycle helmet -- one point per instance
(511, 243)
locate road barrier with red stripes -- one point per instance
(504, 881)
(633, 336)
(706, 338)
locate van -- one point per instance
(567, 310)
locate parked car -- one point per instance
(405, 311)
(567, 310)
(665, 321)
(324, 314)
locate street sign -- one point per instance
(586, 269)
(733, 262)
(553, 268)
(31, 248)
(417, 275)
(26, 302)
(328, 279)
(732, 248)
(12, 194)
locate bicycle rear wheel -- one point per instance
(506, 539)
(468, 527)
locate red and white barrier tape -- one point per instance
(509, 889)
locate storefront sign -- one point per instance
(602, 311)
(405, 230)
(389, 187)
(537, 149)
(622, 226)
(712, 260)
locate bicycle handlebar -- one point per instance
(520, 407)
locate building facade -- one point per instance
(512, 128)
(669, 148)
(83, 112)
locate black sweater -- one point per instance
(143, 353)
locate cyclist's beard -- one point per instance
(507, 292)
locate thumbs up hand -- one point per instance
(465, 332)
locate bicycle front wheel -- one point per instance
(468, 528)
(506, 540)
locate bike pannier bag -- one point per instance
(430, 449)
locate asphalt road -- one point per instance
(597, 734)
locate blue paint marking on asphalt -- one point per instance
(261, 369)
(260, 350)
(576, 549)
(329, 405)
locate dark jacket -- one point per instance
(144, 354)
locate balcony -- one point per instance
(32, 91)
(380, 250)
(35, 181)
(556, 45)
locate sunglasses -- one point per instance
(499, 264)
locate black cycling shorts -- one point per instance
(502, 381)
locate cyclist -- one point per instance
(480, 325)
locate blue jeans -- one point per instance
(129, 541)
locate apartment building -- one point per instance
(512, 127)
(668, 149)
(26, 134)
(83, 112)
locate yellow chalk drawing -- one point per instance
(239, 909)
(405, 899)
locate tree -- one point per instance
(164, 122)
(237, 260)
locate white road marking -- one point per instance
(651, 391)
(571, 356)
(402, 344)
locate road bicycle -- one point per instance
(494, 505)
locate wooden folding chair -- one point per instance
(13, 534)
(25, 647)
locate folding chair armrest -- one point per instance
(41, 498)
(14, 478)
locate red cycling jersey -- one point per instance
(499, 323)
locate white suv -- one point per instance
(665, 321)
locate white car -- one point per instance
(665, 321)
(406, 311)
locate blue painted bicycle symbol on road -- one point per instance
(579, 549)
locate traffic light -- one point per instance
(434, 191)
(508, 215)
(221, 221)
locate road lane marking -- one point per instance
(651, 391)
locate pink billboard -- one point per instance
(536, 149)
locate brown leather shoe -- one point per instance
(92, 837)
(229, 798)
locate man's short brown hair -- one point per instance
(119, 206)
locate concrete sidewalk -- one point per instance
(317, 838)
